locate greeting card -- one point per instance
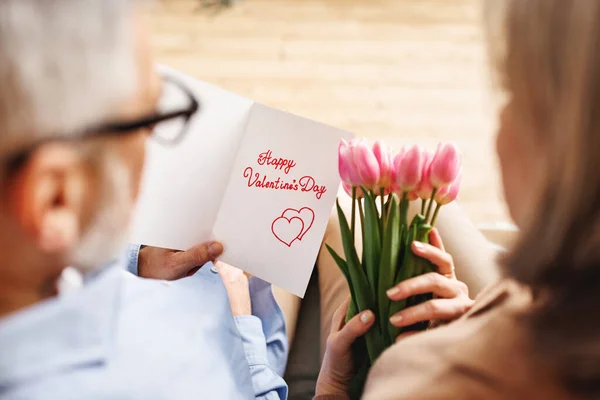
(260, 180)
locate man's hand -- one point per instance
(238, 290)
(157, 263)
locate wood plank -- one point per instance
(408, 71)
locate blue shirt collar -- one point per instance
(60, 333)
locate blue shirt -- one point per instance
(124, 337)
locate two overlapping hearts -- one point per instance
(292, 225)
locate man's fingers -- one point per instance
(197, 256)
(355, 328)
(432, 282)
(442, 260)
(437, 309)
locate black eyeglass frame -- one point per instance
(121, 128)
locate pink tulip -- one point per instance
(386, 165)
(409, 169)
(346, 166)
(425, 190)
(448, 194)
(445, 165)
(399, 156)
(396, 161)
(366, 164)
(412, 196)
(348, 190)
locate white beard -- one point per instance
(106, 238)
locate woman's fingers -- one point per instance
(436, 256)
(337, 368)
(432, 282)
(435, 239)
(238, 290)
(339, 316)
(452, 299)
(436, 309)
(355, 328)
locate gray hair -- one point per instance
(64, 64)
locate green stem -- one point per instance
(435, 214)
(423, 205)
(353, 217)
(361, 214)
(404, 209)
(383, 213)
(388, 207)
(430, 205)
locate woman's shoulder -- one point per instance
(484, 354)
(504, 297)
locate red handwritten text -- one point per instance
(304, 184)
(282, 164)
(307, 183)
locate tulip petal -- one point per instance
(386, 165)
(366, 164)
(445, 165)
(409, 169)
(449, 193)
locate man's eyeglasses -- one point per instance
(169, 124)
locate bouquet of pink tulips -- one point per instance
(382, 186)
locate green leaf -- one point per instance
(412, 265)
(357, 384)
(406, 271)
(352, 308)
(403, 236)
(404, 231)
(417, 220)
(339, 261)
(423, 266)
(371, 242)
(389, 259)
(363, 295)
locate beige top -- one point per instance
(482, 355)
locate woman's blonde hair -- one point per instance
(547, 57)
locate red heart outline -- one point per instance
(305, 215)
(289, 221)
(307, 224)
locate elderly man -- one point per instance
(79, 99)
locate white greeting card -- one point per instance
(260, 180)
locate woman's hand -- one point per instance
(338, 367)
(238, 289)
(451, 296)
(158, 263)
